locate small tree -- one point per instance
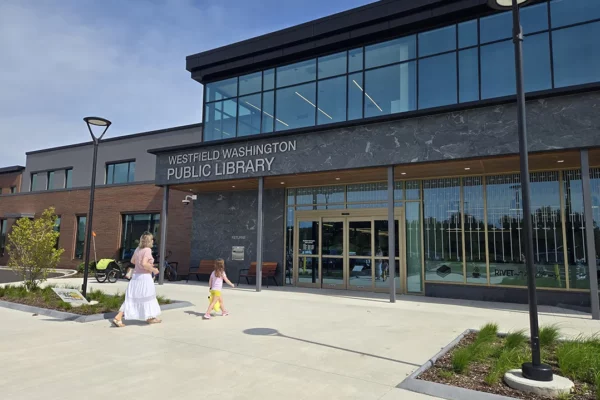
(32, 248)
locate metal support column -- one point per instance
(163, 234)
(259, 235)
(391, 235)
(589, 233)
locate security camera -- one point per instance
(189, 198)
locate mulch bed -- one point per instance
(473, 379)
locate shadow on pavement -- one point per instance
(276, 333)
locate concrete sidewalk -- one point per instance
(280, 343)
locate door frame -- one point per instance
(347, 215)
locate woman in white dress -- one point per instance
(140, 297)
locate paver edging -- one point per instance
(81, 318)
(445, 391)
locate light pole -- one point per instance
(534, 370)
(103, 123)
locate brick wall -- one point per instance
(110, 204)
(8, 180)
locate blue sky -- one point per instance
(62, 60)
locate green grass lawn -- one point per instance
(46, 298)
(480, 361)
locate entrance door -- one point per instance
(333, 253)
(338, 251)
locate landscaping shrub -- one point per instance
(549, 335)
(461, 360)
(579, 359)
(515, 340)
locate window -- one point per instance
(467, 34)
(3, 224)
(332, 65)
(50, 180)
(332, 100)
(57, 229)
(33, 185)
(301, 72)
(442, 230)
(437, 41)
(250, 83)
(576, 53)
(394, 51)
(120, 173)
(249, 114)
(437, 81)
(68, 178)
(355, 96)
(221, 90)
(295, 107)
(567, 12)
(134, 225)
(80, 236)
(457, 63)
(13, 189)
(498, 72)
(390, 90)
(474, 228)
(468, 67)
(220, 120)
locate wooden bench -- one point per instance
(268, 271)
(206, 267)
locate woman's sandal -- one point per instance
(118, 323)
(154, 321)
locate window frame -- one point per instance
(113, 164)
(76, 241)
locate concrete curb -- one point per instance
(445, 391)
(65, 316)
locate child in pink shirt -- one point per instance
(215, 285)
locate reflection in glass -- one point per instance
(437, 41)
(534, 18)
(575, 229)
(505, 221)
(414, 272)
(437, 81)
(495, 27)
(468, 68)
(249, 115)
(367, 192)
(390, 52)
(134, 225)
(289, 245)
(443, 237)
(474, 226)
(398, 190)
(332, 101)
(301, 72)
(413, 190)
(382, 242)
(576, 54)
(68, 178)
(390, 90)
(361, 273)
(355, 60)
(291, 196)
(567, 12)
(320, 195)
(333, 238)
(595, 194)
(50, 181)
(251, 83)
(308, 270)
(295, 107)
(467, 34)
(269, 79)
(221, 90)
(220, 120)
(268, 108)
(80, 237)
(308, 237)
(355, 96)
(332, 65)
(332, 271)
(359, 236)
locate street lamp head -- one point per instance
(506, 4)
(97, 121)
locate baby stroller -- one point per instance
(109, 269)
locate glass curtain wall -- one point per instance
(134, 225)
(464, 62)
